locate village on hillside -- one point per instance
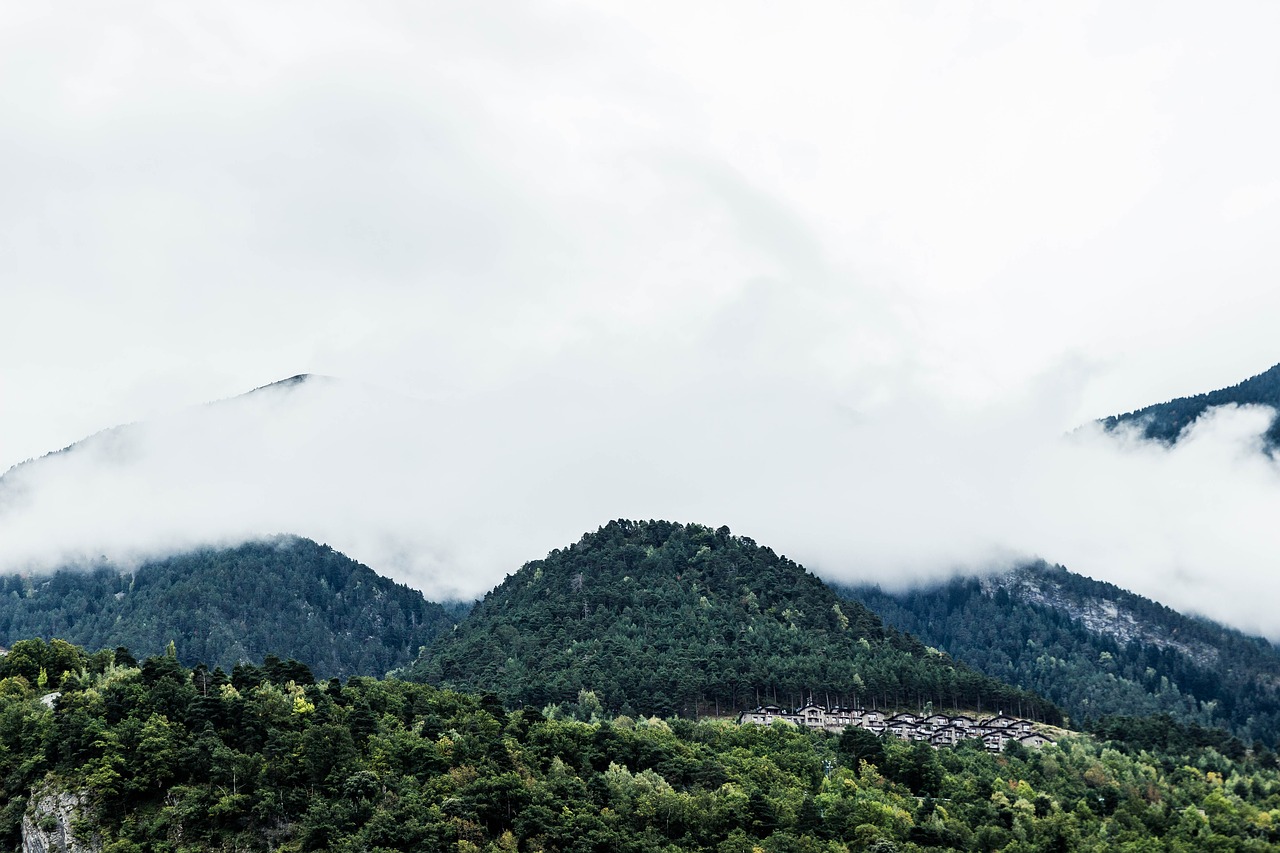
(936, 729)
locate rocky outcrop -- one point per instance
(1099, 614)
(54, 823)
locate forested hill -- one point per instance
(657, 617)
(158, 757)
(1166, 421)
(1094, 648)
(289, 597)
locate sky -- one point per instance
(844, 276)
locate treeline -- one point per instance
(288, 595)
(1166, 421)
(1025, 628)
(663, 618)
(169, 758)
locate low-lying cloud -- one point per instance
(450, 496)
(842, 277)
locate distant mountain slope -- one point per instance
(1094, 648)
(118, 434)
(1166, 421)
(657, 617)
(289, 597)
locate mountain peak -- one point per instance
(291, 382)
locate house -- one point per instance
(901, 728)
(936, 729)
(839, 719)
(763, 716)
(947, 736)
(995, 741)
(1000, 721)
(810, 716)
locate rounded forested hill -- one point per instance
(288, 597)
(658, 617)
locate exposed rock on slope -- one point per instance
(56, 822)
(1094, 648)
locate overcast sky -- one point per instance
(842, 276)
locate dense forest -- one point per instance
(1093, 648)
(1166, 421)
(663, 618)
(158, 757)
(289, 596)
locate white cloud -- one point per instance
(451, 495)
(838, 275)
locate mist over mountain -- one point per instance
(1093, 648)
(1166, 422)
(447, 493)
(287, 596)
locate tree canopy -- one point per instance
(287, 596)
(170, 758)
(663, 618)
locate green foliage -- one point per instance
(41, 663)
(288, 596)
(1165, 421)
(1028, 628)
(663, 618)
(172, 762)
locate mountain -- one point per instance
(384, 476)
(1166, 421)
(1094, 648)
(658, 617)
(287, 596)
(118, 435)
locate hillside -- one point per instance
(657, 617)
(289, 596)
(1093, 648)
(160, 757)
(1166, 421)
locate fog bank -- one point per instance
(451, 495)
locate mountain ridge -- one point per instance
(1165, 422)
(1093, 647)
(285, 595)
(279, 385)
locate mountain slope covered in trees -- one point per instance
(1166, 421)
(1094, 648)
(159, 757)
(658, 617)
(289, 596)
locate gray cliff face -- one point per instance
(50, 822)
(1100, 615)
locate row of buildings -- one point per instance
(937, 729)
